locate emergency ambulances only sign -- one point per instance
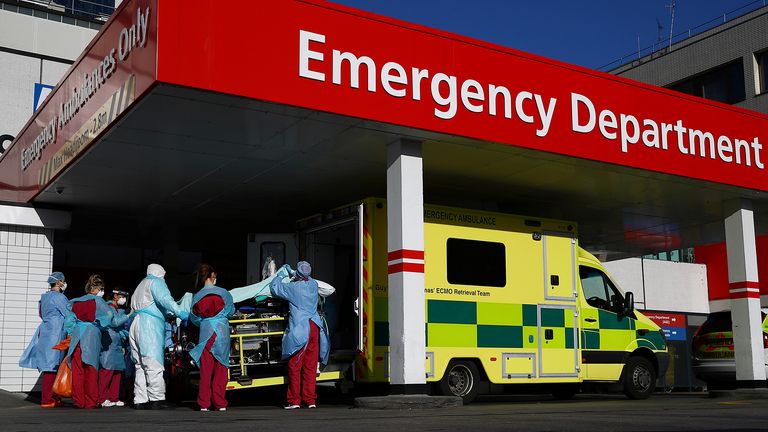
(117, 67)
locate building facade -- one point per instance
(38, 44)
(727, 64)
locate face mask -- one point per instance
(121, 301)
(100, 294)
(63, 286)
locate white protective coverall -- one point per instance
(151, 302)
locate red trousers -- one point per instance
(85, 382)
(109, 385)
(213, 381)
(47, 396)
(302, 369)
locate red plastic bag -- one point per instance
(62, 385)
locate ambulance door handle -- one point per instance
(590, 320)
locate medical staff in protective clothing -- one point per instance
(306, 337)
(211, 308)
(152, 303)
(112, 359)
(89, 314)
(40, 354)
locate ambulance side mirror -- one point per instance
(629, 303)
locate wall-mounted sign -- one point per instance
(673, 325)
(119, 65)
(325, 57)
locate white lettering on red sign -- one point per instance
(449, 94)
(130, 38)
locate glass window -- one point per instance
(762, 63)
(723, 84)
(271, 251)
(674, 255)
(617, 300)
(479, 263)
(593, 286)
(599, 290)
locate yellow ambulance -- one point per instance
(510, 300)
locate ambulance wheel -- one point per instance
(639, 378)
(461, 379)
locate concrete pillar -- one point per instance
(745, 294)
(26, 261)
(405, 243)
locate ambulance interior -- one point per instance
(334, 253)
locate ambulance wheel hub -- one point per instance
(460, 380)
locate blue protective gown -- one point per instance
(302, 298)
(113, 341)
(88, 334)
(218, 324)
(40, 354)
(130, 366)
(152, 323)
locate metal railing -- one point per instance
(88, 8)
(80, 8)
(53, 12)
(663, 46)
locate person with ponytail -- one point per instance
(88, 315)
(211, 308)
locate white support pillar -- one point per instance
(26, 259)
(405, 243)
(745, 294)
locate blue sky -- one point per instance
(590, 33)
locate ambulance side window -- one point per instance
(478, 263)
(593, 285)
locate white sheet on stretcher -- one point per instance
(257, 291)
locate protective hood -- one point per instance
(155, 270)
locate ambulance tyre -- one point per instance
(462, 379)
(639, 378)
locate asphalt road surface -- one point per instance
(261, 412)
